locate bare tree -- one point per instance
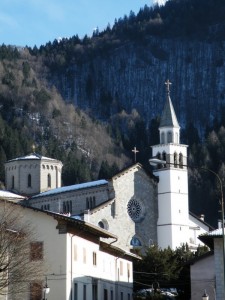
(21, 270)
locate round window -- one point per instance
(134, 209)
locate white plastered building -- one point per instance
(80, 259)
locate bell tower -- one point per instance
(170, 160)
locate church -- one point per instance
(141, 208)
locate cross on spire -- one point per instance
(33, 148)
(135, 152)
(168, 83)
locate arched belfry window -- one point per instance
(175, 160)
(49, 181)
(29, 180)
(169, 137)
(163, 138)
(164, 156)
(13, 182)
(158, 155)
(181, 161)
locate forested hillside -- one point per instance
(89, 101)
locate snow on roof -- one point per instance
(216, 232)
(32, 156)
(71, 188)
(6, 194)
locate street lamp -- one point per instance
(205, 296)
(46, 289)
(155, 161)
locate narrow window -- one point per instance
(75, 252)
(95, 291)
(128, 296)
(84, 292)
(169, 137)
(175, 160)
(84, 256)
(29, 180)
(128, 272)
(75, 292)
(105, 294)
(121, 268)
(164, 156)
(87, 203)
(49, 181)
(121, 296)
(36, 251)
(163, 138)
(13, 182)
(111, 295)
(94, 259)
(181, 160)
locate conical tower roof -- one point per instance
(168, 118)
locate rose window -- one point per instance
(134, 209)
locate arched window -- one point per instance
(163, 138)
(164, 156)
(13, 182)
(49, 181)
(169, 137)
(29, 180)
(175, 159)
(181, 161)
(135, 242)
(158, 155)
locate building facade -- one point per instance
(141, 208)
(79, 263)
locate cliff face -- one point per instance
(133, 76)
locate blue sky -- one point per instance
(36, 22)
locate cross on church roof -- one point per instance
(33, 148)
(168, 83)
(135, 152)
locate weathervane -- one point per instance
(135, 152)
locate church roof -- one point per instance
(168, 118)
(32, 156)
(70, 188)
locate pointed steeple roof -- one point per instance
(168, 118)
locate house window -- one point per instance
(105, 294)
(36, 291)
(29, 180)
(128, 272)
(75, 252)
(84, 256)
(49, 181)
(84, 292)
(75, 295)
(94, 259)
(36, 251)
(94, 291)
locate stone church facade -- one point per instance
(139, 207)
